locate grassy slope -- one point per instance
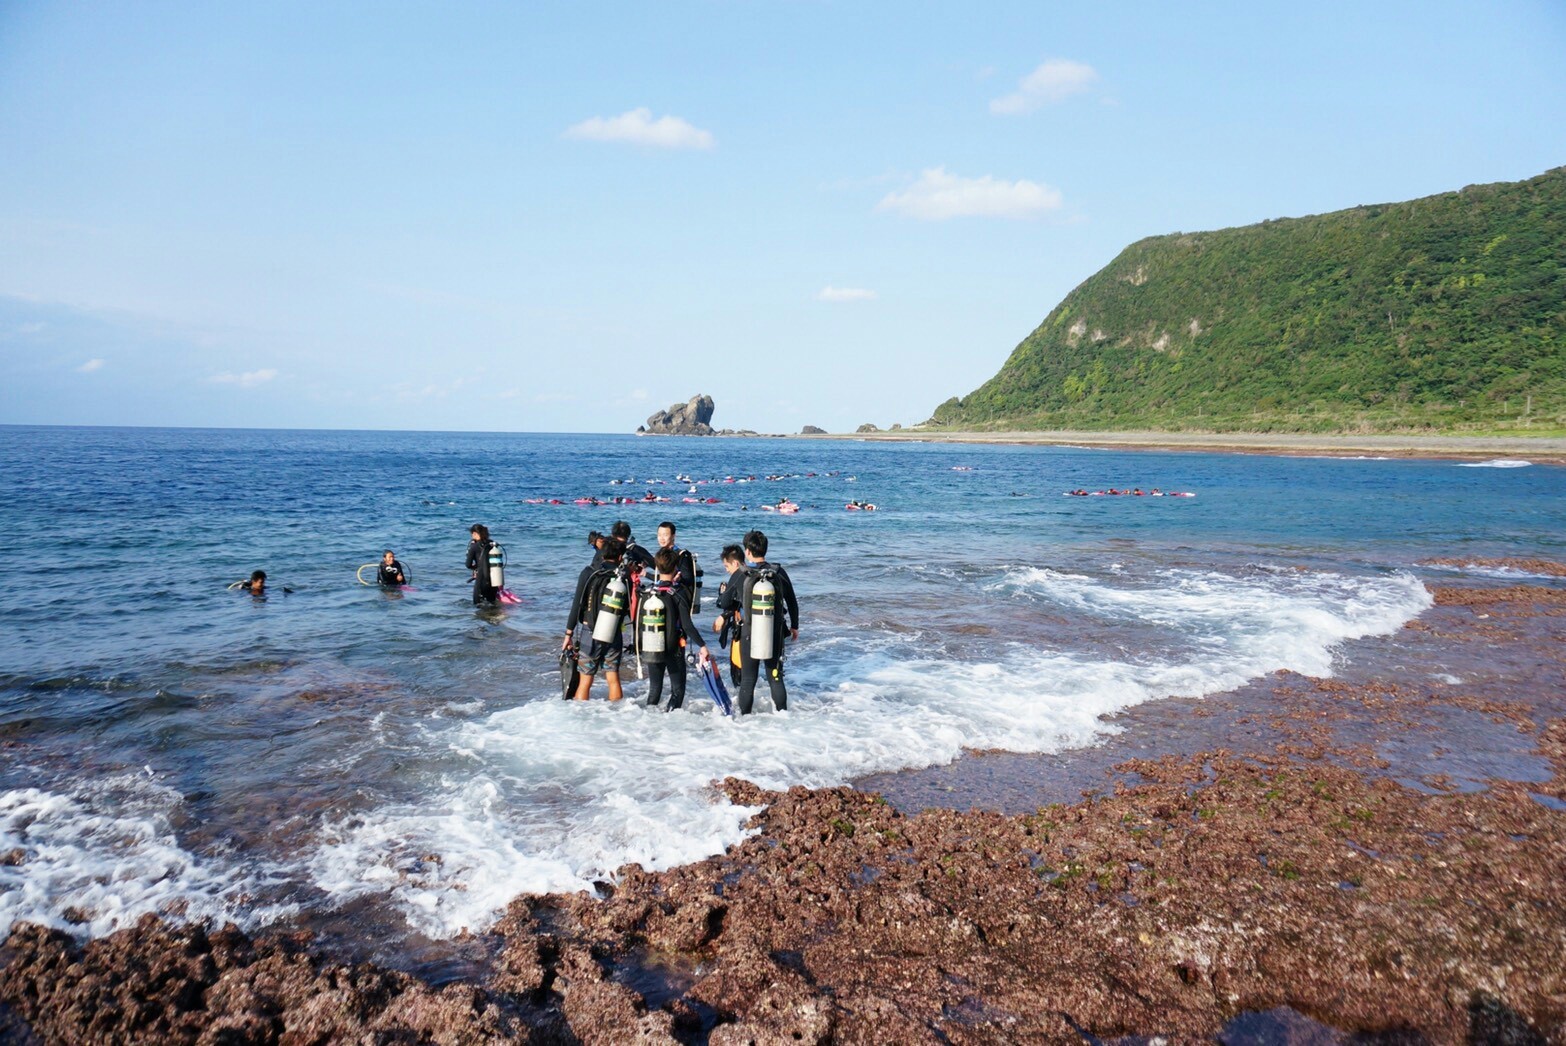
(1445, 313)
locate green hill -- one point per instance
(1445, 313)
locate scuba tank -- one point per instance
(611, 609)
(696, 587)
(761, 617)
(497, 565)
(652, 627)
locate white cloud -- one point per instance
(639, 128)
(939, 195)
(90, 366)
(1053, 82)
(249, 379)
(845, 294)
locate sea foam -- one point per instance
(107, 854)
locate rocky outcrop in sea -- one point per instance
(691, 418)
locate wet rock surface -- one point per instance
(1287, 874)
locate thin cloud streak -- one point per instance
(845, 294)
(247, 380)
(939, 195)
(637, 127)
(1049, 84)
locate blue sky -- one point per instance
(560, 217)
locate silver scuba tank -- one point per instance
(653, 630)
(761, 615)
(696, 589)
(497, 565)
(611, 610)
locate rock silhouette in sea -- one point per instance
(811, 430)
(867, 427)
(691, 418)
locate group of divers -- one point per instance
(655, 595)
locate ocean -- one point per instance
(401, 763)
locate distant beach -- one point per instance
(1537, 449)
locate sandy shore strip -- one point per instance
(1540, 450)
(1303, 860)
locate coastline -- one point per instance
(1379, 850)
(1538, 449)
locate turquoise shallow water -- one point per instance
(170, 745)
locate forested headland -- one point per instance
(1443, 314)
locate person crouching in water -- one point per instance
(478, 562)
(756, 570)
(595, 655)
(678, 631)
(390, 574)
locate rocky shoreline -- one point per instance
(1293, 863)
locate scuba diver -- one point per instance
(256, 584)
(594, 626)
(761, 628)
(687, 572)
(390, 573)
(664, 631)
(727, 623)
(487, 561)
(637, 559)
(761, 584)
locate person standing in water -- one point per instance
(727, 623)
(680, 632)
(757, 570)
(686, 574)
(478, 563)
(636, 557)
(597, 655)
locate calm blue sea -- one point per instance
(403, 758)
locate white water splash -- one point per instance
(557, 795)
(108, 850)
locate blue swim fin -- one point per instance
(715, 687)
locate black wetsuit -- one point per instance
(685, 574)
(391, 574)
(750, 668)
(682, 635)
(478, 562)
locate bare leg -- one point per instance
(583, 685)
(613, 679)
